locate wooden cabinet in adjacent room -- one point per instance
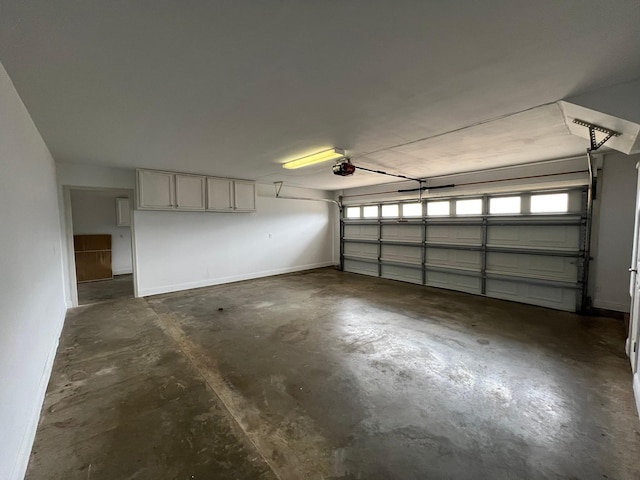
(93, 257)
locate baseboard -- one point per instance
(615, 306)
(24, 452)
(636, 390)
(144, 292)
(605, 312)
(122, 271)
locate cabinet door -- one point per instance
(219, 194)
(123, 214)
(156, 190)
(189, 192)
(245, 196)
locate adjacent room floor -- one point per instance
(120, 286)
(329, 375)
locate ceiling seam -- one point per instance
(476, 124)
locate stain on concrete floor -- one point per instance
(337, 376)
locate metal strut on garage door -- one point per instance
(527, 247)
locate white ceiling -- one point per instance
(236, 88)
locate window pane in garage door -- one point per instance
(370, 211)
(438, 208)
(469, 207)
(390, 211)
(411, 209)
(550, 203)
(353, 212)
(504, 205)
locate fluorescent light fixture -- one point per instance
(324, 156)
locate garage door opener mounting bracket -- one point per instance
(595, 145)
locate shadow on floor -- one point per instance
(120, 287)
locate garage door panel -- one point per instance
(402, 233)
(365, 268)
(535, 266)
(365, 232)
(561, 237)
(454, 281)
(402, 253)
(454, 258)
(404, 274)
(368, 250)
(457, 234)
(545, 296)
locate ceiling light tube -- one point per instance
(324, 156)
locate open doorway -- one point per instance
(101, 250)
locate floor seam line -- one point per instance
(213, 390)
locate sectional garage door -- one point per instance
(525, 247)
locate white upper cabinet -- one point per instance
(190, 192)
(227, 195)
(170, 191)
(156, 190)
(181, 191)
(219, 194)
(245, 196)
(123, 213)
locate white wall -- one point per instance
(181, 250)
(32, 306)
(613, 232)
(94, 212)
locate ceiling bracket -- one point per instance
(592, 133)
(278, 186)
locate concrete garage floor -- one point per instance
(120, 286)
(329, 375)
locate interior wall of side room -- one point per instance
(31, 285)
(94, 213)
(613, 231)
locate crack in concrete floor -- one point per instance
(287, 463)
